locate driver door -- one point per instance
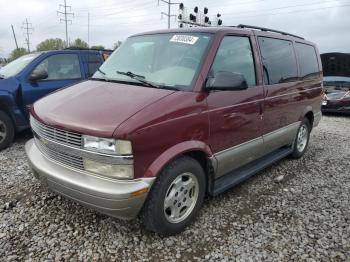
(62, 70)
(236, 115)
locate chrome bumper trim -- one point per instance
(109, 196)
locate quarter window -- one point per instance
(308, 62)
(279, 60)
(235, 55)
(62, 66)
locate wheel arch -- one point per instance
(309, 115)
(197, 150)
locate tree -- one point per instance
(97, 47)
(78, 43)
(51, 44)
(117, 44)
(18, 52)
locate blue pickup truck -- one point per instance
(35, 75)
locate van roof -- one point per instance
(214, 29)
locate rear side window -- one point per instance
(279, 61)
(308, 62)
(235, 55)
(94, 62)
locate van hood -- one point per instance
(95, 108)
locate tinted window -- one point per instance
(59, 67)
(307, 61)
(94, 62)
(235, 55)
(279, 60)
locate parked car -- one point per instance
(35, 75)
(336, 71)
(174, 115)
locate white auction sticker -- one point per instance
(185, 39)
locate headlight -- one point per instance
(109, 170)
(108, 146)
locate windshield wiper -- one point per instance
(105, 78)
(139, 78)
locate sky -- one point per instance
(325, 22)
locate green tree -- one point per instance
(18, 52)
(79, 43)
(97, 47)
(117, 44)
(51, 44)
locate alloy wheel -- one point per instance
(181, 197)
(3, 131)
(302, 138)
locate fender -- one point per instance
(9, 105)
(174, 151)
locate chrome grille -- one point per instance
(61, 157)
(56, 135)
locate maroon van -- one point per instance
(175, 115)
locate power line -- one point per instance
(294, 11)
(66, 16)
(28, 28)
(284, 7)
(14, 36)
(169, 15)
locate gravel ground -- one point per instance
(295, 210)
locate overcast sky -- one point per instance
(325, 22)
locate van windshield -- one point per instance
(17, 65)
(160, 60)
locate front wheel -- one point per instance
(301, 141)
(175, 198)
(7, 130)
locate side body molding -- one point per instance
(239, 155)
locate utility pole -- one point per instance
(14, 36)
(169, 15)
(89, 29)
(28, 31)
(66, 15)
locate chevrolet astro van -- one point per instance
(175, 115)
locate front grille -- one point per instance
(61, 157)
(51, 142)
(56, 135)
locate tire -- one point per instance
(171, 206)
(302, 139)
(7, 130)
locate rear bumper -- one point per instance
(108, 196)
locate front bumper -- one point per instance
(336, 109)
(109, 196)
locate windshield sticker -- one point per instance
(185, 39)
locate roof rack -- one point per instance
(88, 49)
(268, 30)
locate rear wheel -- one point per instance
(175, 198)
(302, 139)
(7, 130)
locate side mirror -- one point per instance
(38, 75)
(227, 81)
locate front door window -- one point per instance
(61, 67)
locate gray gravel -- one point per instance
(295, 210)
